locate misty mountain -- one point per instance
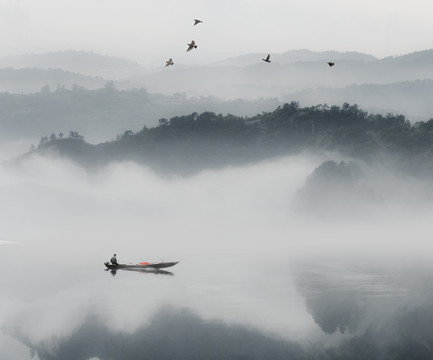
(411, 98)
(393, 84)
(294, 56)
(186, 144)
(416, 60)
(31, 80)
(259, 79)
(86, 63)
(336, 187)
(104, 112)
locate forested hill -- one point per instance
(104, 112)
(186, 144)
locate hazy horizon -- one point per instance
(150, 33)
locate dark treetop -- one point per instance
(186, 144)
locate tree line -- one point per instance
(209, 139)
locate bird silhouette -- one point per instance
(331, 64)
(169, 62)
(267, 59)
(196, 21)
(192, 46)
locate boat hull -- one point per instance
(161, 265)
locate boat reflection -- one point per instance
(143, 271)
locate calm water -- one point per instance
(297, 308)
(256, 280)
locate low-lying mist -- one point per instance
(245, 238)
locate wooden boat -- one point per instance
(145, 265)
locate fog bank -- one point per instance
(241, 242)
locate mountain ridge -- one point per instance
(83, 62)
(297, 55)
(190, 143)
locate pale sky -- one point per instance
(149, 31)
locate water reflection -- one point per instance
(176, 333)
(363, 312)
(172, 334)
(143, 271)
(381, 313)
(346, 299)
(252, 309)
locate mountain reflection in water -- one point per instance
(179, 334)
(257, 279)
(362, 313)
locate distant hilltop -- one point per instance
(295, 75)
(117, 68)
(82, 62)
(294, 56)
(187, 144)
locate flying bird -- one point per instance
(192, 46)
(169, 62)
(196, 21)
(331, 64)
(267, 59)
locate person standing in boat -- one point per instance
(114, 260)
